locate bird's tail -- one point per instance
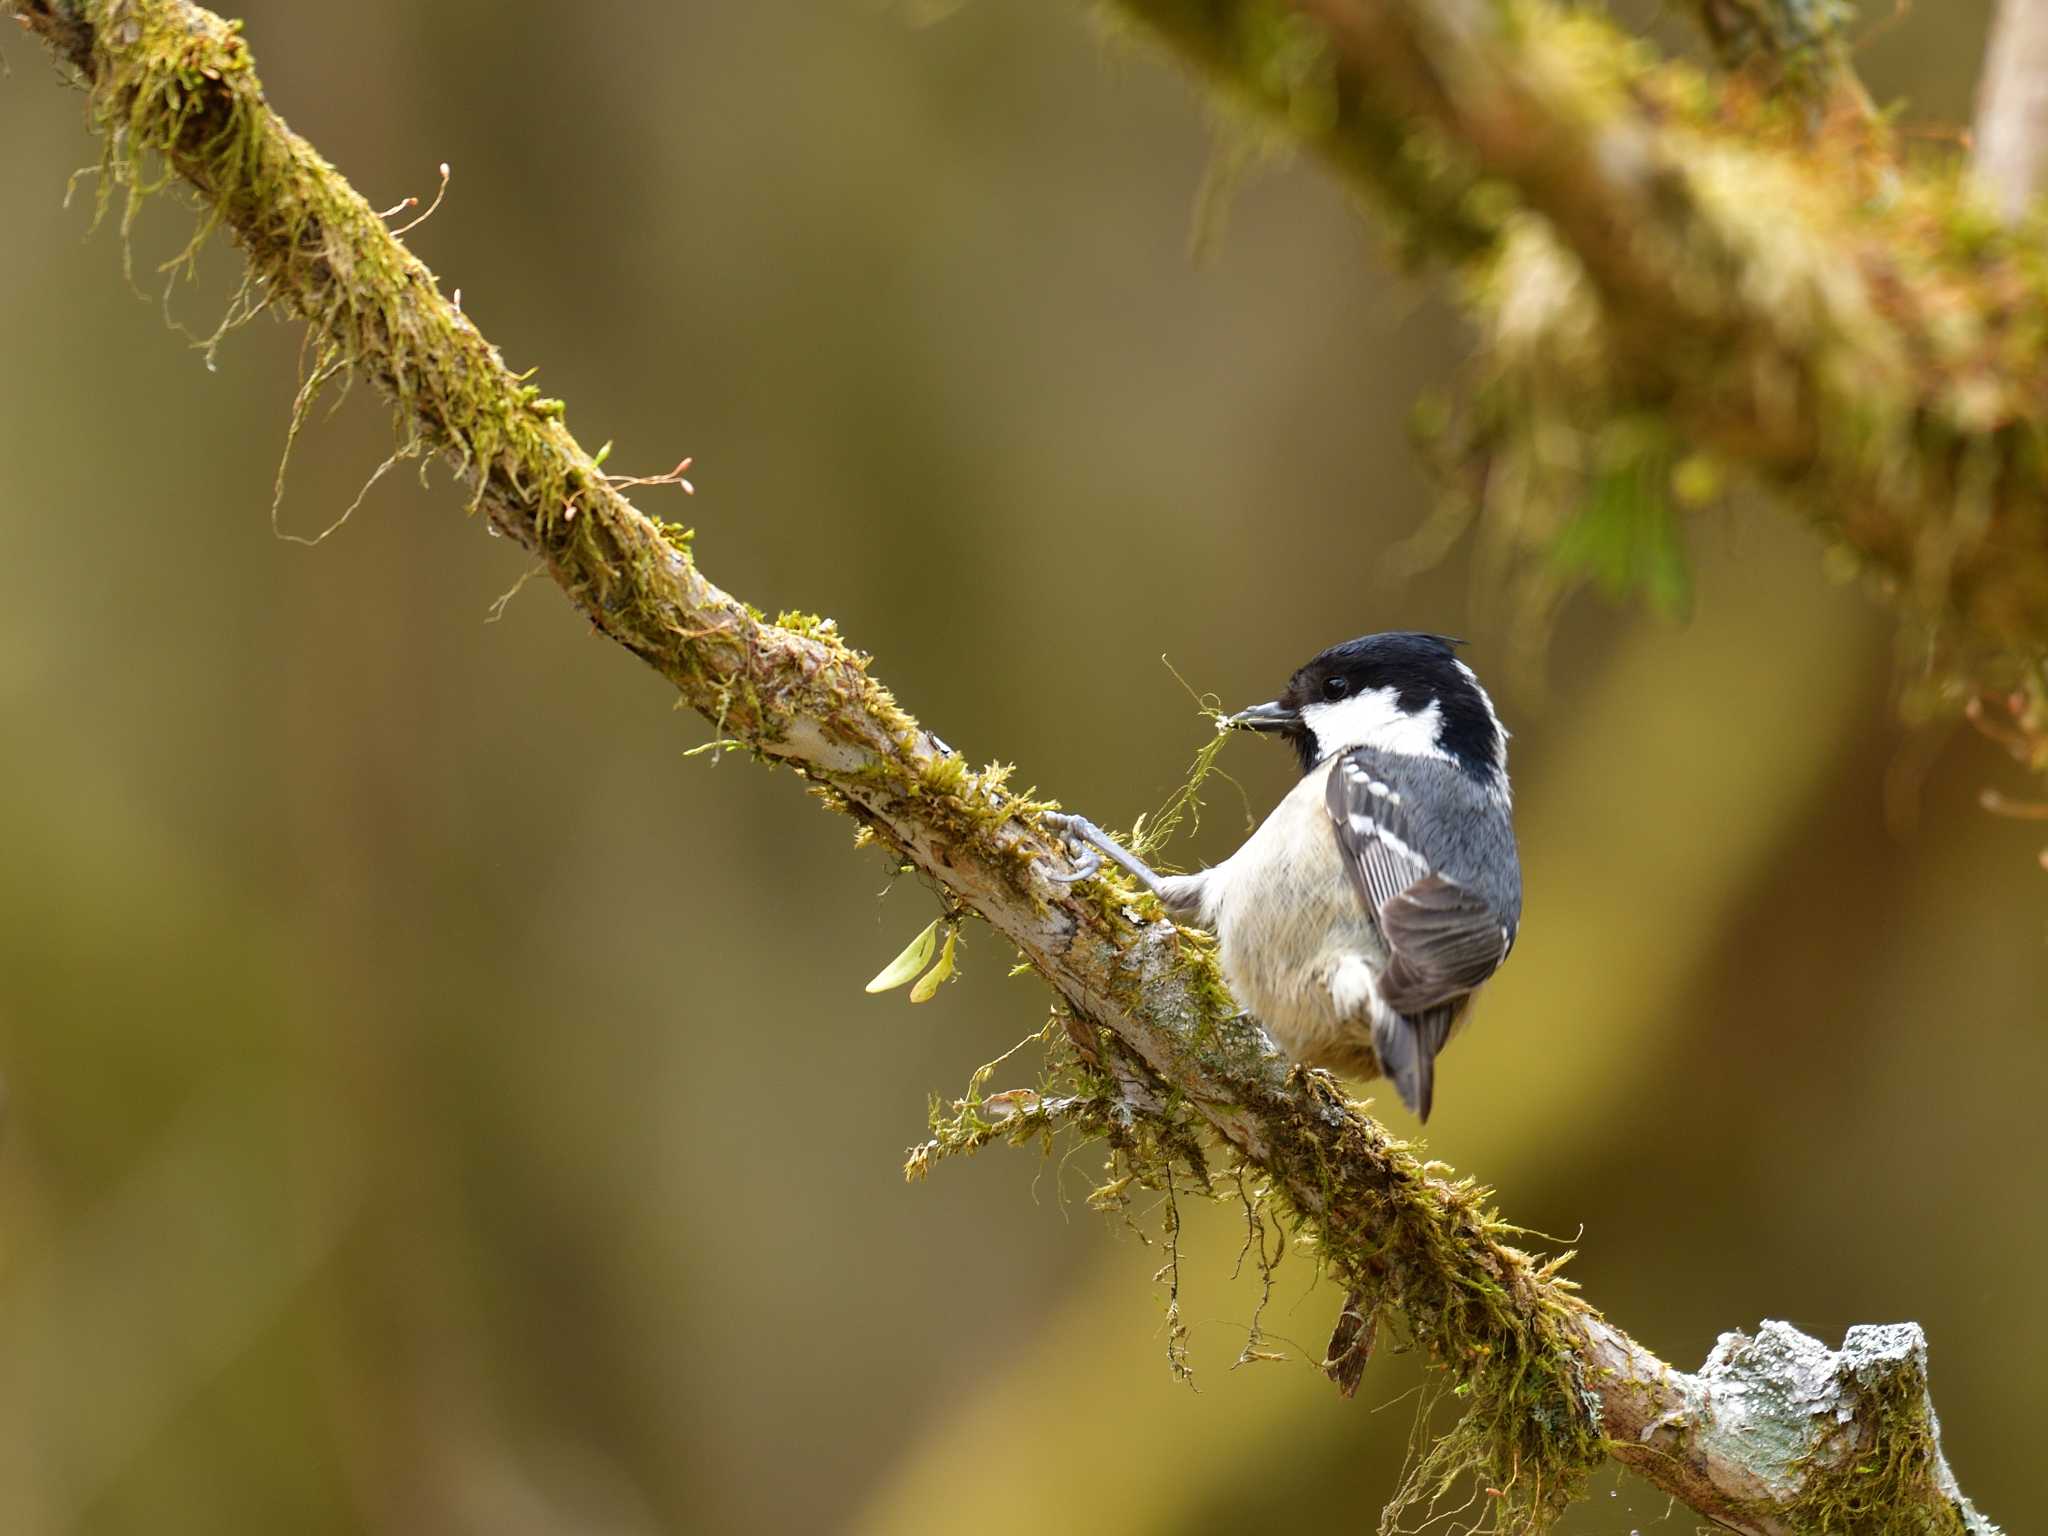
(1182, 895)
(1407, 1050)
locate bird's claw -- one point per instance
(1086, 857)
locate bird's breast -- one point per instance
(1286, 919)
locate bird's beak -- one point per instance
(1275, 716)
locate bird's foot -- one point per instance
(1091, 845)
(1082, 848)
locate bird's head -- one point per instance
(1400, 692)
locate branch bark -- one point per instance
(1776, 1435)
(2012, 108)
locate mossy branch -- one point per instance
(1795, 299)
(1170, 1073)
(1790, 45)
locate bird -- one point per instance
(1356, 923)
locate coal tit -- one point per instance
(1357, 922)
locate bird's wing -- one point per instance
(1442, 938)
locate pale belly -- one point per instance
(1305, 978)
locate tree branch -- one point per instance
(1792, 45)
(1775, 1435)
(1854, 333)
(2012, 108)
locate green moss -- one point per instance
(177, 83)
(1882, 1473)
(172, 82)
(1269, 57)
(1875, 359)
(810, 625)
(1503, 1326)
(1792, 44)
(1073, 1094)
(945, 776)
(1623, 533)
(1413, 1243)
(174, 93)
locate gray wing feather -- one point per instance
(1443, 939)
(1380, 861)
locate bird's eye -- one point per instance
(1336, 687)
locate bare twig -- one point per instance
(1776, 1435)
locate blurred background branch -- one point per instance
(1795, 45)
(1777, 294)
(773, 683)
(2012, 108)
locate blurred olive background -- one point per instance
(433, 1104)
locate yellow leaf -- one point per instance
(936, 976)
(910, 962)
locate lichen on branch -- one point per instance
(1154, 1052)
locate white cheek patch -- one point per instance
(1374, 719)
